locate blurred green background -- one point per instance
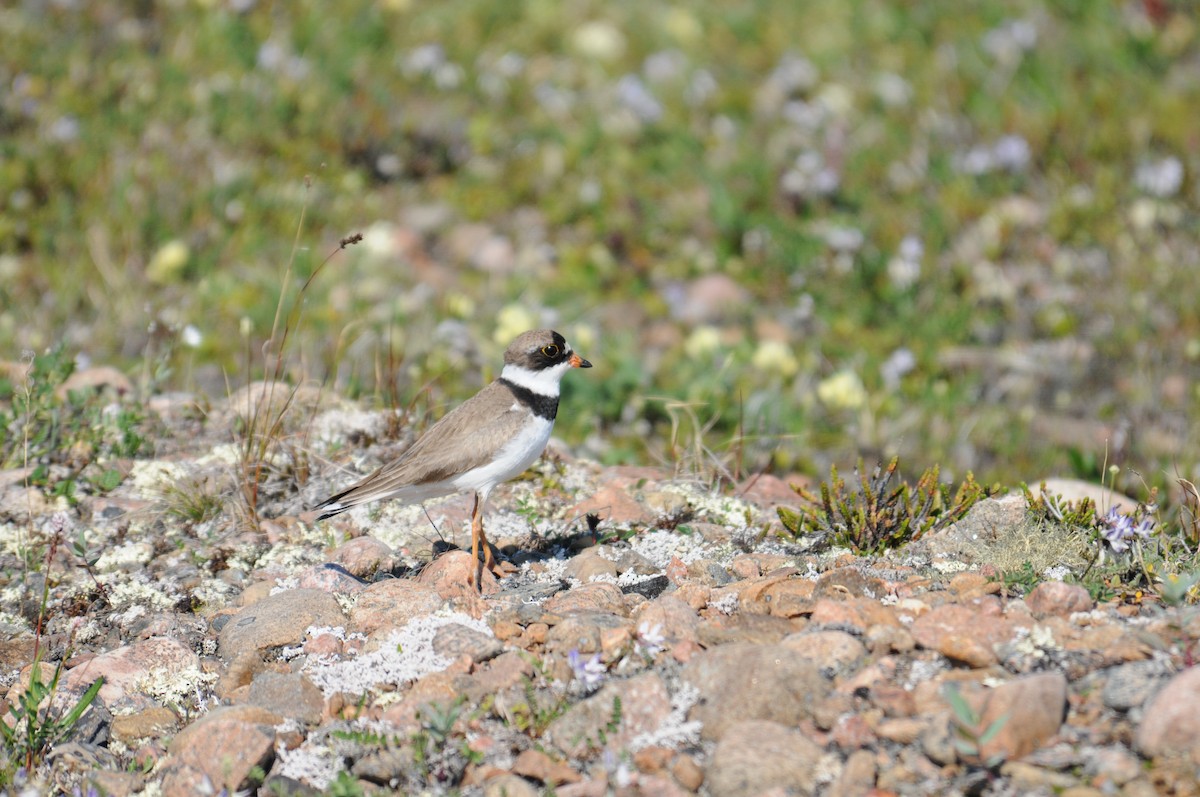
(964, 233)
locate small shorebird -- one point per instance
(488, 439)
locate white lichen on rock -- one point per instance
(404, 656)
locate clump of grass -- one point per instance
(194, 499)
(877, 516)
(262, 441)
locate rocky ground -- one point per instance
(648, 634)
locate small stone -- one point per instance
(509, 786)
(289, 695)
(1131, 685)
(613, 505)
(450, 576)
(587, 632)
(675, 619)
(848, 582)
(506, 670)
(829, 650)
(455, 640)
(652, 759)
(688, 772)
(755, 756)
(438, 689)
(634, 562)
(769, 492)
(1171, 723)
(589, 564)
(362, 556)
(330, 578)
(224, 746)
(599, 596)
(324, 644)
(966, 650)
(758, 629)
(964, 632)
(538, 766)
(1033, 706)
(751, 682)
(150, 723)
(506, 629)
(893, 700)
(94, 379)
(967, 583)
(889, 639)
(116, 784)
(127, 668)
(904, 730)
(278, 620)
(592, 787)
(1112, 764)
(858, 775)
(858, 614)
(1058, 598)
(644, 705)
(647, 589)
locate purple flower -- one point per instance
(1120, 530)
(589, 672)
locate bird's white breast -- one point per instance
(512, 460)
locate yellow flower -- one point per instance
(842, 391)
(512, 321)
(167, 264)
(460, 305)
(703, 341)
(599, 40)
(682, 26)
(775, 357)
(582, 338)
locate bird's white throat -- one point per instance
(543, 382)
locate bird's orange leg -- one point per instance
(476, 574)
(479, 539)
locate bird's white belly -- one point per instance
(513, 459)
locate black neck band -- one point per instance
(541, 406)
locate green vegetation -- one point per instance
(37, 724)
(877, 516)
(66, 436)
(38, 719)
(933, 218)
(969, 736)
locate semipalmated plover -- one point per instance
(490, 438)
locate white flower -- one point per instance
(1160, 178)
(191, 336)
(900, 362)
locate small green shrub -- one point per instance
(36, 726)
(878, 516)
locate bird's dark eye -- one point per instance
(550, 351)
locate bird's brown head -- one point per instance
(540, 349)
